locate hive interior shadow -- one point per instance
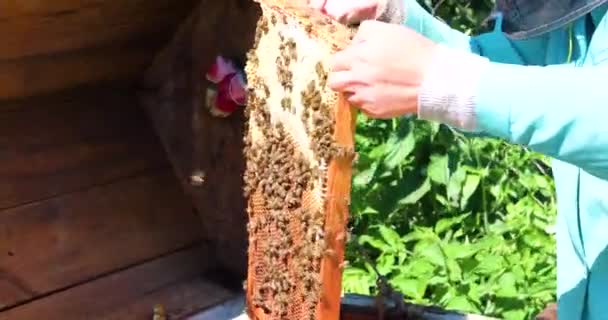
(206, 152)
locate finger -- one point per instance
(367, 29)
(356, 17)
(343, 81)
(361, 99)
(364, 107)
(341, 61)
(356, 98)
(338, 9)
(364, 10)
(317, 4)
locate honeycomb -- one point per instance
(299, 153)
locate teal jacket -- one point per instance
(550, 93)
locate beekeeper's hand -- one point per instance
(382, 71)
(356, 11)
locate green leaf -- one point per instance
(431, 251)
(356, 280)
(460, 250)
(390, 236)
(420, 268)
(378, 152)
(490, 265)
(455, 184)
(454, 271)
(416, 195)
(420, 233)
(438, 169)
(447, 223)
(376, 243)
(410, 287)
(506, 286)
(462, 304)
(399, 152)
(515, 315)
(364, 177)
(385, 263)
(499, 228)
(470, 185)
(368, 211)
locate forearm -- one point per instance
(493, 45)
(420, 20)
(557, 110)
(414, 16)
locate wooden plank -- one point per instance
(62, 143)
(37, 75)
(15, 8)
(44, 27)
(66, 240)
(336, 220)
(173, 281)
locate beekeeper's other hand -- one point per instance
(382, 71)
(356, 11)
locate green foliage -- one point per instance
(464, 15)
(463, 223)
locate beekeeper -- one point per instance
(539, 79)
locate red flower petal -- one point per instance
(238, 89)
(220, 69)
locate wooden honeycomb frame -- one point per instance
(299, 147)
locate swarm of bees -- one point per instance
(289, 143)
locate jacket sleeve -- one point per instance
(418, 19)
(494, 45)
(557, 110)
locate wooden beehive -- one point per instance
(299, 150)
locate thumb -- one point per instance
(368, 29)
(317, 4)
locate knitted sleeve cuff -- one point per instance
(391, 11)
(448, 92)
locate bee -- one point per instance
(286, 103)
(319, 69)
(304, 14)
(331, 253)
(293, 55)
(343, 265)
(197, 178)
(343, 236)
(159, 312)
(308, 28)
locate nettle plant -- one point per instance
(459, 222)
(463, 223)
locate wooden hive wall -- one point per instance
(86, 191)
(48, 46)
(195, 141)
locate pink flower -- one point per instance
(224, 101)
(238, 89)
(230, 89)
(220, 69)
